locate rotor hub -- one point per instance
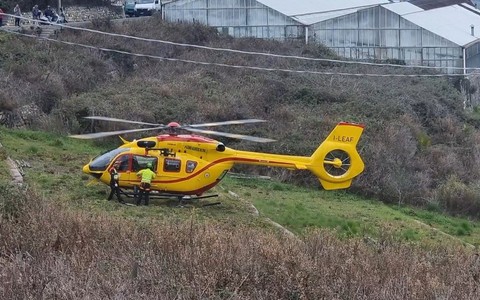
(172, 128)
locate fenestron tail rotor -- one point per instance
(337, 162)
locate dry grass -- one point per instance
(51, 252)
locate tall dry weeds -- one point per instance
(48, 251)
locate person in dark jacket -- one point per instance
(49, 14)
(1, 17)
(114, 186)
(18, 13)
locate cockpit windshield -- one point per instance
(101, 162)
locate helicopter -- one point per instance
(188, 165)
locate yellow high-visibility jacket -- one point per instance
(147, 175)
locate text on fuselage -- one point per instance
(343, 138)
(195, 149)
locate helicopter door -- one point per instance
(138, 162)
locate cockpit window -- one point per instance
(101, 162)
(123, 162)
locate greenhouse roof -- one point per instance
(402, 8)
(450, 22)
(311, 11)
(431, 4)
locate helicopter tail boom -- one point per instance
(336, 161)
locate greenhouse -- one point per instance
(406, 33)
(418, 32)
(267, 19)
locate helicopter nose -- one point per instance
(86, 169)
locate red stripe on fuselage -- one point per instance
(212, 164)
(215, 163)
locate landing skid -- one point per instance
(182, 199)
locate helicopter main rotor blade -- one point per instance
(121, 120)
(110, 133)
(231, 135)
(234, 122)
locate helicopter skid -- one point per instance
(167, 196)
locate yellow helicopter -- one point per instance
(190, 164)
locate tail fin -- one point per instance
(336, 161)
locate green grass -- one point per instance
(299, 209)
(4, 172)
(56, 164)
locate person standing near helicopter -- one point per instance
(147, 176)
(114, 177)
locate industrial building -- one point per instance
(439, 33)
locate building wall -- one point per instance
(379, 34)
(370, 34)
(238, 18)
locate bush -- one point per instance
(459, 198)
(12, 202)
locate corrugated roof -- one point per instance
(402, 8)
(451, 22)
(315, 18)
(302, 9)
(432, 4)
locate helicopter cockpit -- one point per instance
(101, 162)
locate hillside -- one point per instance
(420, 146)
(60, 238)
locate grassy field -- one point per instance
(299, 209)
(61, 239)
(56, 171)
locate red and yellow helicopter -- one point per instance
(190, 164)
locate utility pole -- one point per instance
(59, 5)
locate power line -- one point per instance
(222, 49)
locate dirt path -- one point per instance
(17, 177)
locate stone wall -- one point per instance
(82, 14)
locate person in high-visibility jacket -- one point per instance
(147, 176)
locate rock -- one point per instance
(21, 117)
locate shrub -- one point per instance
(459, 198)
(12, 201)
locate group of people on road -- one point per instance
(49, 14)
(147, 175)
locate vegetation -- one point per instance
(60, 239)
(420, 146)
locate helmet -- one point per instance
(149, 165)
